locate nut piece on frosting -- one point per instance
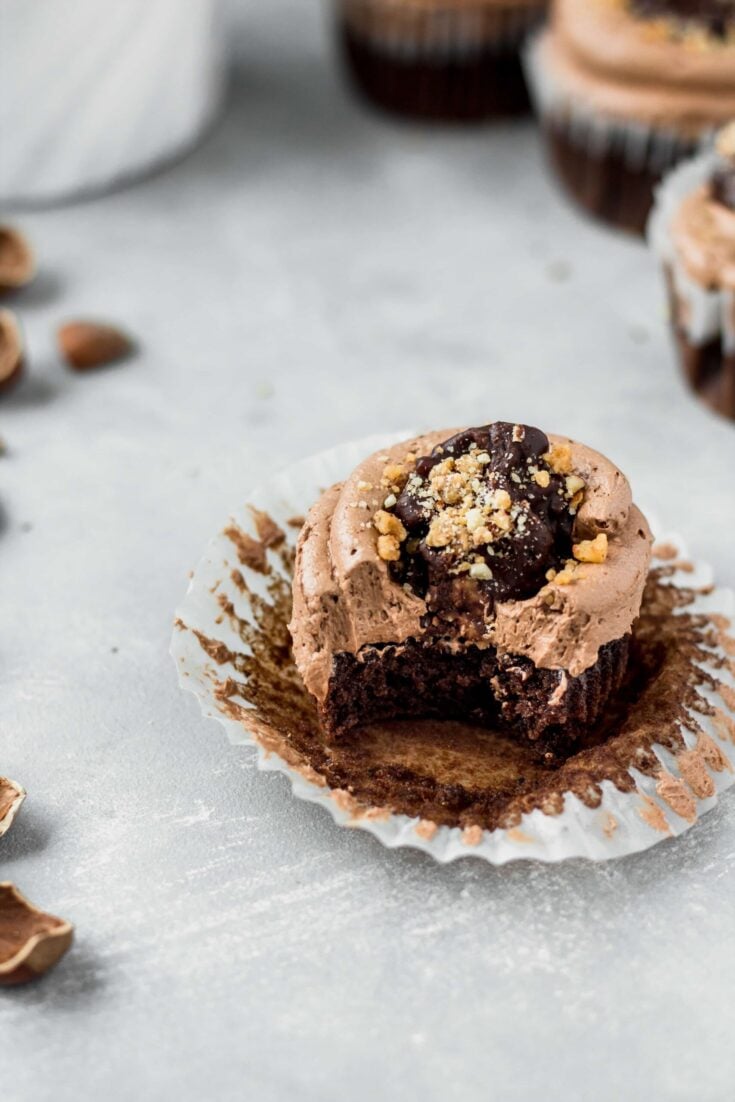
(591, 550)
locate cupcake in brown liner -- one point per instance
(491, 576)
(692, 231)
(655, 759)
(447, 60)
(628, 88)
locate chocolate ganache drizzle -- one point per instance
(716, 16)
(487, 515)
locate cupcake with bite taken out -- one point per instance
(491, 575)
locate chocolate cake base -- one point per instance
(426, 680)
(485, 84)
(603, 182)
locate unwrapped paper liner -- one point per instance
(622, 823)
(703, 314)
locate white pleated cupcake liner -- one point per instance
(703, 314)
(416, 31)
(643, 147)
(623, 823)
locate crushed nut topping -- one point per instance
(591, 550)
(559, 458)
(389, 548)
(487, 516)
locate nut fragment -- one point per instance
(11, 797)
(31, 942)
(389, 525)
(17, 262)
(591, 550)
(559, 458)
(567, 574)
(11, 350)
(88, 344)
(394, 476)
(389, 548)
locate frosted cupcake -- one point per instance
(491, 576)
(439, 59)
(692, 231)
(628, 88)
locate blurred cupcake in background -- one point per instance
(447, 60)
(692, 231)
(628, 88)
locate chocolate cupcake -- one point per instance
(692, 231)
(628, 88)
(492, 576)
(439, 59)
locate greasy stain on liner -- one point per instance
(453, 774)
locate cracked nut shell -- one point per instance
(31, 942)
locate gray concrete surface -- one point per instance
(312, 274)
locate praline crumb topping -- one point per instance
(486, 517)
(723, 180)
(685, 17)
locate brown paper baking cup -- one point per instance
(656, 763)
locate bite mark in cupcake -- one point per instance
(495, 578)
